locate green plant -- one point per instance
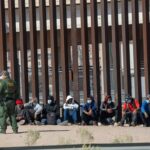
(123, 139)
(64, 141)
(32, 137)
(89, 147)
(86, 136)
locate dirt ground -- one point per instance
(30, 135)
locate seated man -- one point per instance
(107, 111)
(70, 109)
(35, 110)
(89, 114)
(22, 114)
(129, 111)
(145, 112)
(51, 111)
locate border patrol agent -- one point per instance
(8, 95)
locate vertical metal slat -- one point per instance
(44, 52)
(95, 51)
(23, 50)
(74, 50)
(64, 49)
(33, 47)
(146, 35)
(125, 40)
(105, 46)
(116, 55)
(12, 41)
(135, 35)
(85, 52)
(3, 59)
(54, 50)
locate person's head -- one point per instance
(4, 74)
(19, 103)
(90, 99)
(148, 97)
(34, 100)
(69, 99)
(108, 99)
(50, 99)
(128, 99)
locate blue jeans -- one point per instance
(70, 115)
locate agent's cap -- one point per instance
(19, 102)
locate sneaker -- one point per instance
(31, 123)
(133, 124)
(64, 123)
(21, 122)
(115, 124)
(99, 124)
(121, 124)
(37, 122)
(83, 123)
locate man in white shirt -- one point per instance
(70, 109)
(35, 109)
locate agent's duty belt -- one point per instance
(8, 99)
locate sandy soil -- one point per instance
(75, 134)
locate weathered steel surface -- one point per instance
(105, 46)
(116, 55)
(33, 48)
(23, 50)
(54, 51)
(136, 48)
(44, 51)
(85, 51)
(64, 50)
(3, 59)
(95, 51)
(146, 44)
(125, 40)
(12, 41)
(74, 51)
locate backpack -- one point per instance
(11, 86)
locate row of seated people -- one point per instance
(132, 113)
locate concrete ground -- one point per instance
(33, 135)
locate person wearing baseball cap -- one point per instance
(8, 95)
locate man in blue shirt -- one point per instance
(145, 111)
(89, 114)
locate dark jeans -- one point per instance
(106, 118)
(25, 115)
(87, 119)
(146, 121)
(130, 117)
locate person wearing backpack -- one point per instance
(8, 95)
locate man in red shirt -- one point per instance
(129, 111)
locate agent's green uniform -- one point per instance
(8, 93)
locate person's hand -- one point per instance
(85, 112)
(90, 112)
(35, 116)
(109, 110)
(19, 117)
(146, 115)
